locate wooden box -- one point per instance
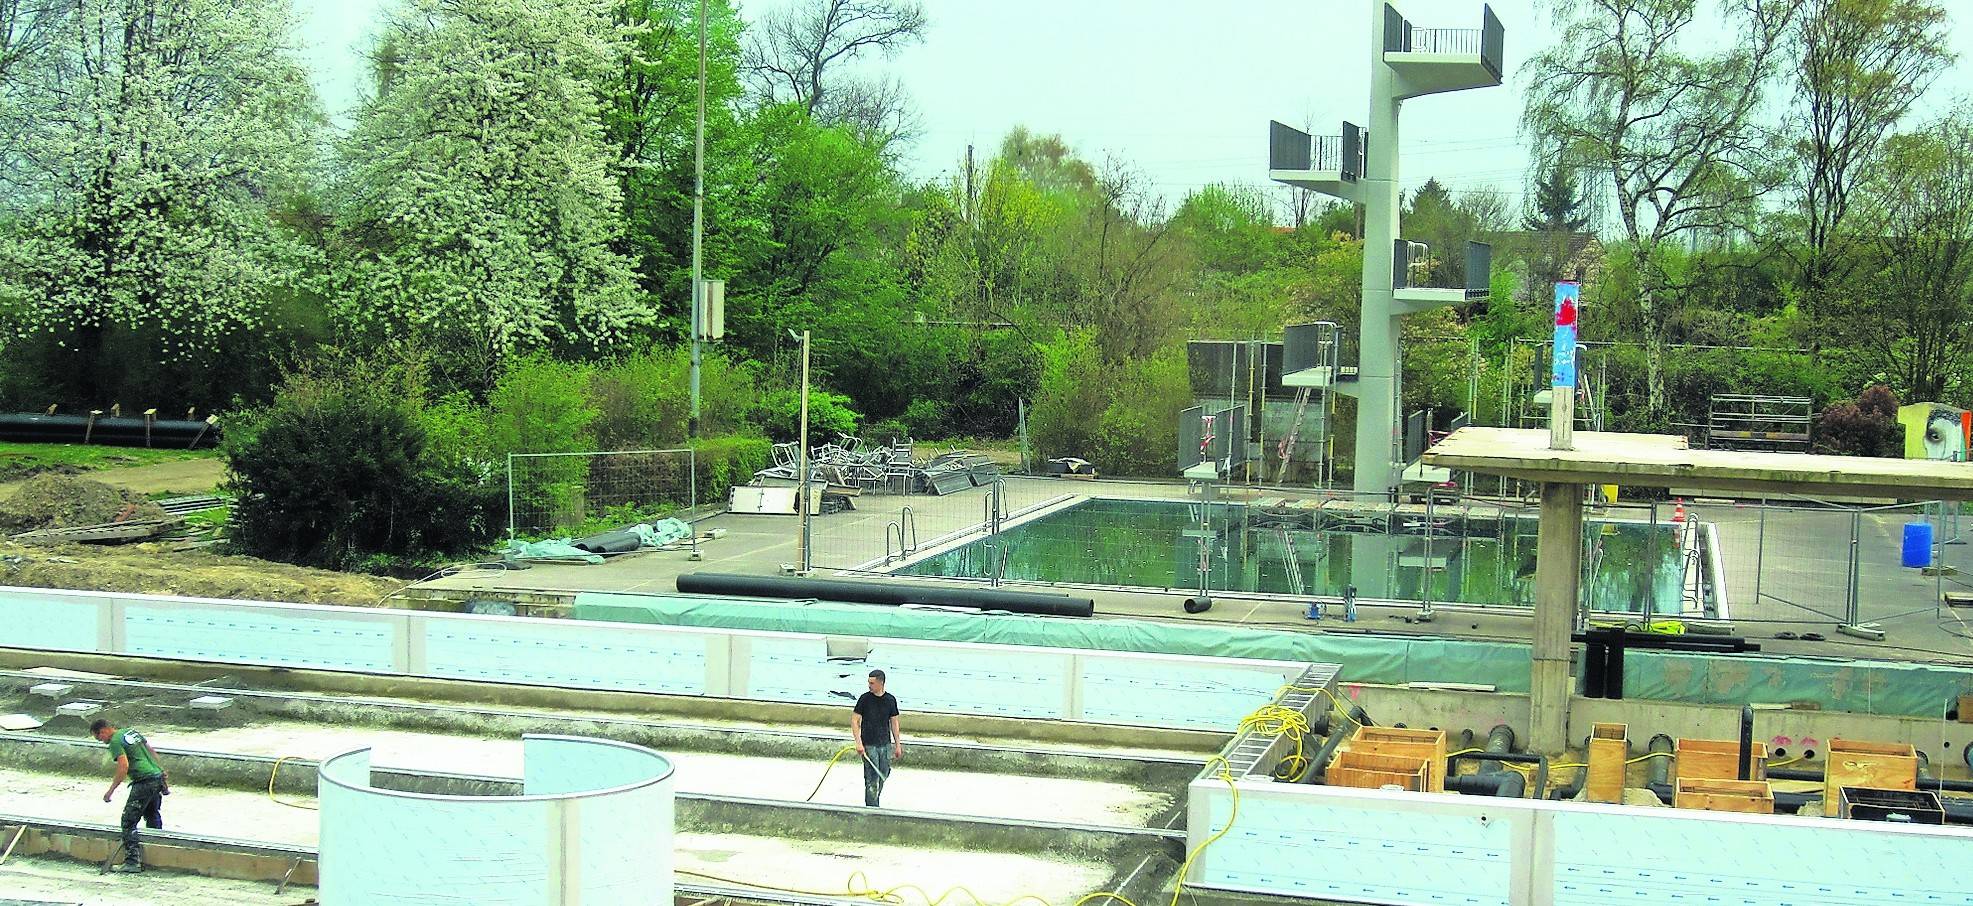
(1369, 771)
(1901, 806)
(1715, 759)
(1751, 796)
(1427, 744)
(1860, 763)
(1608, 750)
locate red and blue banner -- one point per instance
(1568, 296)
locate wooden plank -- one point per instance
(1715, 759)
(1749, 796)
(1369, 771)
(1862, 763)
(1609, 748)
(1429, 745)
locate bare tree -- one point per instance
(1863, 64)
(1676, 133)
(803, 52)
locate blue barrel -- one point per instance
(1918, 544)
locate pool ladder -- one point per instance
(905, 532)
(1295, 584)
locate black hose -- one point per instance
(892, 593)
(1746, 742)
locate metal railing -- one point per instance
(1443, 40)
(1292, 149)
(1416, 265)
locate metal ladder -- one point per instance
(1295, 584)
(1287, 448)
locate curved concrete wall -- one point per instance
(594, 825)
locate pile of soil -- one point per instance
(62, 501)
(162, 569)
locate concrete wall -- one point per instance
(1415, 849)
(594, 826)
(1126, 688)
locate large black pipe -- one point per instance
(892, 593)
(1504, 784)
(1539, 761)
(1658, 771)
(123, 431)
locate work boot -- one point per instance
(129, 868)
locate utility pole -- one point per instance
(802, 486)
(970, 206)
(698, 231)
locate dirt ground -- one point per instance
(191, 476)
(160, 569)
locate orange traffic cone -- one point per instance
(1678, 512)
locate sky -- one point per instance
(1182, 89)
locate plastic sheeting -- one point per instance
(1366, 658)
(1869, 687)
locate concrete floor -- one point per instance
(821, 867)
(1795, 563)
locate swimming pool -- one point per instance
(1632, 567)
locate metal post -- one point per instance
(1760, 548)
(699, 235)
(692, 497)
(803, 486)
(510, 495)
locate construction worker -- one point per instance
(874, 724)
(148, 785)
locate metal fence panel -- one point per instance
(559, 494)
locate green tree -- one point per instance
(479, 212)
(1675, 132)
(1916, 320)
(148, 143)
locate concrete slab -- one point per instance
(1661, 461)
(37, 879)
(951, 792)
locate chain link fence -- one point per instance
(576, 494)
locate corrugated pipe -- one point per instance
(1658, 771)
(1500, 740)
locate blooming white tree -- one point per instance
(479, 213)
(144, 142)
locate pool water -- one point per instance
(1630, 567)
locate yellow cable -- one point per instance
(276, 772)
(1649, 755)
(1232, 814)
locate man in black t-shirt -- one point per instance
(874, 724)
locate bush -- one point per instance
(541, 406)
(644, 401)
(726, 461)
(1867, 427)
(829, 414)
(1123, 417)
(927, 418)
(350, 465)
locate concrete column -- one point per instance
(1558, 580)
(1377, 384)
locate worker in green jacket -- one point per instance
(136, 761)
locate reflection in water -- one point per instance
(1157, 544)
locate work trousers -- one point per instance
(146, 795)
(876, 770)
